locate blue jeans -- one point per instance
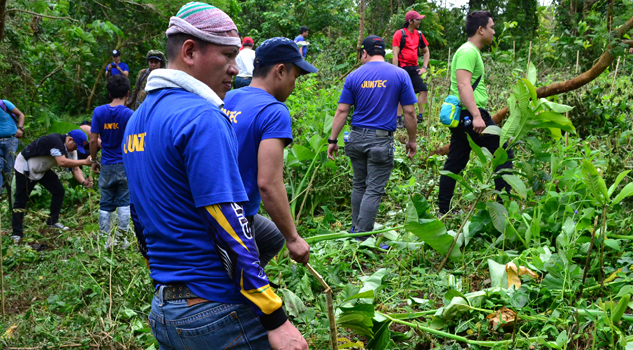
(209, 325)
(242, 82)
(8, 148)
(114, 187)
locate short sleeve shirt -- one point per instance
(304, 49)
(114, 71)
(409, 54)
(180, 154)
(7, 124)
(375, 89)
(110, 122)
(245, 60)
(468, 57)
(256, 116)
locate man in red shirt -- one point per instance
(405, 56)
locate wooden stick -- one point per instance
(2, 269)
(566, 133)
(448, 70)
(577, 60)
(527, 70)
(330, 306)
(615, 75)
(514, 50)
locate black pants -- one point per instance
(459, 154)
(23, 188)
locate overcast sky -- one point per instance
(459, 3)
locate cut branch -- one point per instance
(41, 15)
(565, 86)
(361, 31)
(3, 15)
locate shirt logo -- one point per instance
(110, 126)
(232, 114)
(135, 143)
(371, 84)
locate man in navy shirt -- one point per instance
(10, 130)
(109, 122)
(301, 41)
(375, 89)
(180, 156)
(262, 124)
(117, 67)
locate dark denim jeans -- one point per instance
(8, 148)
(372, 161)
(177, 326)
(114, 187)
(242, 82)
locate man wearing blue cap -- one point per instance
(33, 165)
(261, 122)
(117, 67)
(375, 89)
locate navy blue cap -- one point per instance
(116, 52)
(373, 42)
(80, 138)
(281, 50)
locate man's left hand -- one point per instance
(19, 133)
(87, 183)
(299, 250)
(421, 71)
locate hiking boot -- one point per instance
(400, 122)
(16, 239)
(420, 118)
(59, 226)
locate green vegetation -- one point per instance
(551, 268)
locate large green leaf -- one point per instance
(500, 157)
(498, 274)
(594, 183)
(302, 153)
(478, 151)
(516, 184)
(382, 336)
(358, 317)
(531, 75)
(627, 191)
(617, 182)
(292, 303)
(556, 107)
(556, 120)
(498, 214)
(531, 88)
(431, 231)
(373, 282)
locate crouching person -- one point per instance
(34, 165)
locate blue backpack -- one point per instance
(452, 109)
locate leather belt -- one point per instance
(378, 132)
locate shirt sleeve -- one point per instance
(233, 238)
(94, 125)
(209, 149)
(407, 94)
(10, 106)
(467, 60)
(275, 123)
(57, 148)
(423, 43)
(124, 66)
(347, 96)
(397, 36)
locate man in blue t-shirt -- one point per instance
(301, 41)
(9, 134)
(261, 122)
(109, 122)
(180, 156)
(117, 67)
(375, 89)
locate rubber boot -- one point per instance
(105, 226)
(124, 225)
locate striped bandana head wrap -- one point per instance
(204, 22)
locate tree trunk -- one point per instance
(361, 30)
(565, 86)
(3, 15)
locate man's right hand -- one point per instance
(286, 337)
(478, 124)
(411, 149)
(299, 250)
(332, 151)
(96, 167)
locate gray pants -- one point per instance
(268, 238)
(371, 153)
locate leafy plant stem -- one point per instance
(604, 237)
(306, 195)
(470, 212)
(588, 261)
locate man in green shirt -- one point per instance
(468, 82)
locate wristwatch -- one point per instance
(92, 160)
(21, 128)
(331, 142)
(425, 67)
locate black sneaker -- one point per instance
(420, 118)
(400, 123)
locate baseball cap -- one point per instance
(80, 138)
(116, 52)
(373, 42)
(247, 40)
(413, 15)
(281, 50)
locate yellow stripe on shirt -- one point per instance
(263, 297)
(217, 214)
